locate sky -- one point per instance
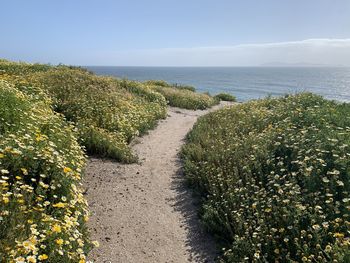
(176, 32)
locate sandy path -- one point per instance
(144, 212)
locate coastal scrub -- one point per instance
(274, 179)
(42, 208)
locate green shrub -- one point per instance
(185, 87)
(186, 99)
(274, 176)
(161, 83)
(42, 208)
(108, 112)
(225, 97)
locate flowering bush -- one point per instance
(183, 97)
(108, 112)
(274, 176)
(42, 209)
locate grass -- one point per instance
(274, 178)
(42, 209)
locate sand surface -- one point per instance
(144, 212)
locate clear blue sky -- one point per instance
(164, 32)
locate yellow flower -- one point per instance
(1, 156)
(338, 235)
(59, 241)
(59, 205)
(82, 261)
(24, 171)
(43, 257)
(28, 245)
(67, 170)
(56, 228)
(31, 259)
(5, 199)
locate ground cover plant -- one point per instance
(107, 112)
(42, 209)
(225, 97)
(274, 178)
(183, 96)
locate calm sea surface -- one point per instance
(245, 82)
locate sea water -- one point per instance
(245, 83)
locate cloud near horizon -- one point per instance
(322, 51)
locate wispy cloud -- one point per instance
(312, 51)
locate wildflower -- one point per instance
(28, 245)
(59, 205)
(31, 259)
(43, 257)
(20, 260)
(316, 227)
(2, 155)
(328, 248)
(24, 171)
(67, 170)
(338, 235)
(4, 171)
(56, 228)
(59, 241)
(5, 199)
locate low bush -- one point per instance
(42, 208)
(225, 97)
(274, 177)
(186, 87)
(184, 98)
(108, 112)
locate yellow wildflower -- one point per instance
(2, 155)
(28, 245)
(59, 241)
(24, 171)
(5, 199)
(59, 205)
(338, 235)
(56, 228)
(31, 259)
(43, 257)
(67, 170)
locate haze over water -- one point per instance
(245, 83)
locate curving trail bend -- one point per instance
(144, 212)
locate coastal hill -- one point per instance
(106, 169)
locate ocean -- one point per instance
(245, 83)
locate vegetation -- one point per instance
(107, 112)
(182, 96)
(225, 97)
(48, 115)
(42, 209)
(274, 176)
(185, 98)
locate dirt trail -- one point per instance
(144, 212)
